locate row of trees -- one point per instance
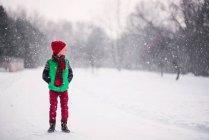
(29, 38)
(166, 37)
(19, 38)
(173, 38)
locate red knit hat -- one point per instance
(57, 46)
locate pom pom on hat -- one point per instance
(57, 46)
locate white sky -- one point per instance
(57, 9)
(102, 12)
(73, 10)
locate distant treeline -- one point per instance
(176, 41)
(19, 38)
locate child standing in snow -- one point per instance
(58, 74)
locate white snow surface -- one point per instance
(107, 105)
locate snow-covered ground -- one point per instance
(107, 105)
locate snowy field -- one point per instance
(107, 105)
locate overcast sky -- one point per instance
(96, 11)
(102, 12)
(73, 10)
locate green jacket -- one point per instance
(49, 74)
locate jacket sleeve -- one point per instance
(70, 73)
(45, 74)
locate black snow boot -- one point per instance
(52, 127)
(64, 127)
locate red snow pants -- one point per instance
(53, 95)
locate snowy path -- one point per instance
(107, 105)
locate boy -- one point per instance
(58, 74)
